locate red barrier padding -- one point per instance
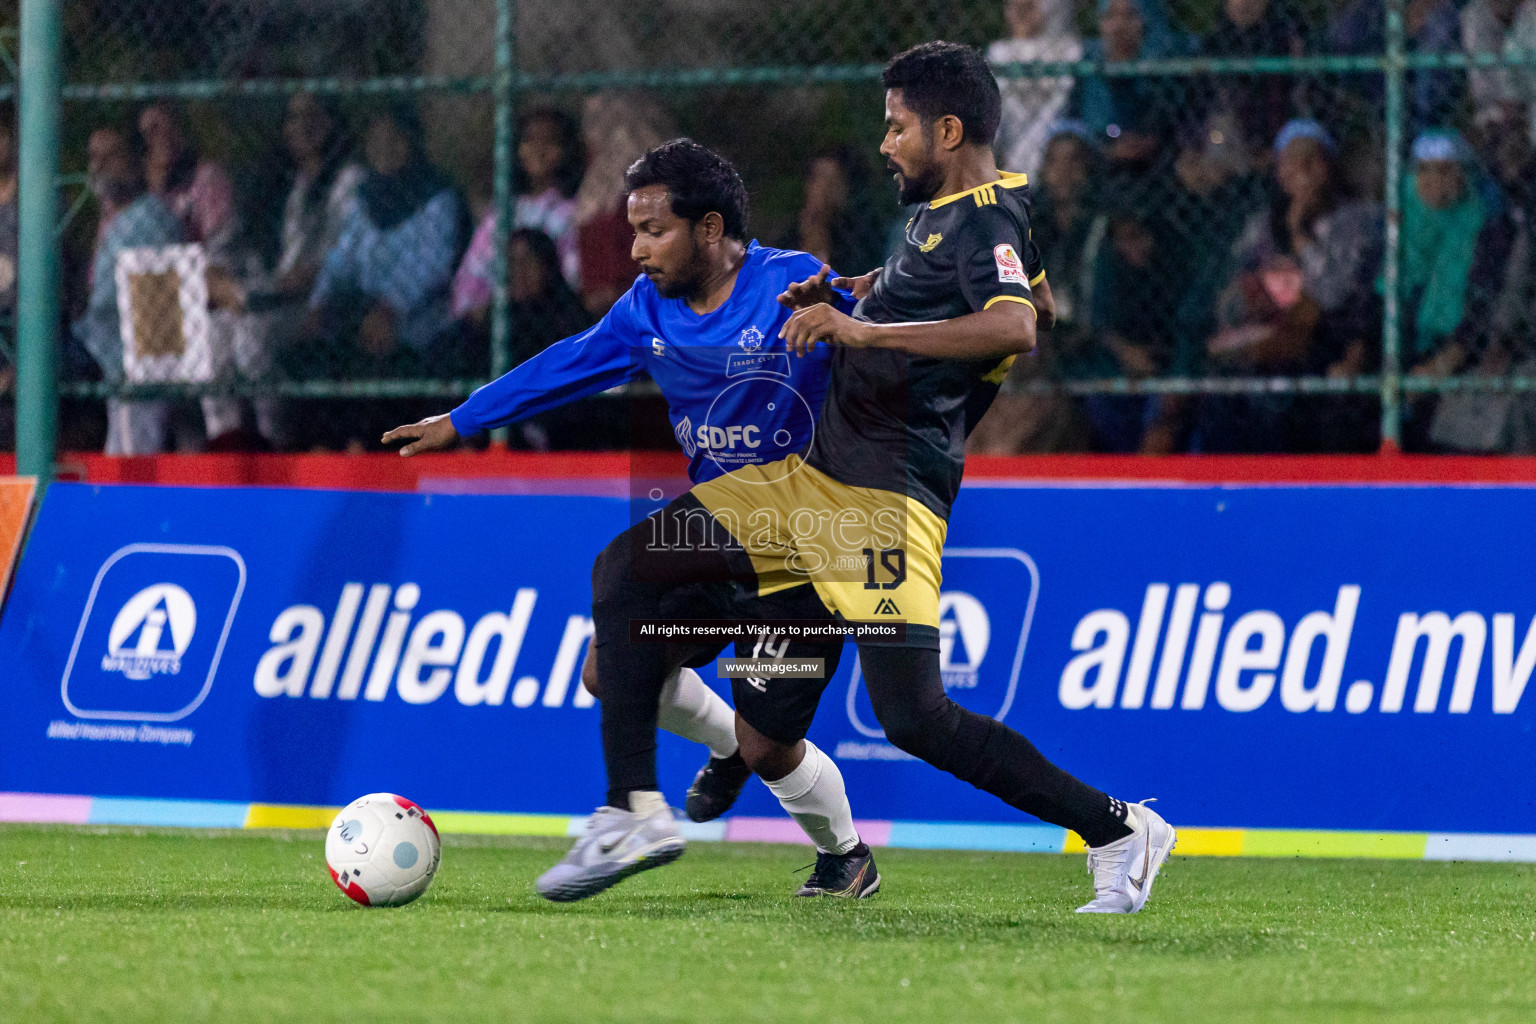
(389, 472)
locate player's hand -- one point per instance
(807, 293)
(858, 286)
(431, 434)
(822, 323)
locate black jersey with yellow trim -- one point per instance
(896, 421)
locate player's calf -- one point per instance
(693, 711)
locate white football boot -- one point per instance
(1123, 871)
(618, 843)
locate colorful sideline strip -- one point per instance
(911, 835)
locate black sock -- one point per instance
(909, 700)
(632, 674)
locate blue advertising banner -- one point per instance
(1256, 657)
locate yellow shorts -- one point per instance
(872, 555)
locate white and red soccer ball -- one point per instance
(382, 850)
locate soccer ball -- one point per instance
(382, 850)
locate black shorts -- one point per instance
(782, 709)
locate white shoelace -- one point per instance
(1109, 867)
(1114, 858)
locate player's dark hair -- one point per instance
(699, 180)
(941, 78)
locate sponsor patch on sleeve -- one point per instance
(1010, 269)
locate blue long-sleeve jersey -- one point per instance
(734, 395)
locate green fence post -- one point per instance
(1391, 321)
(505, 90)
(37, 408)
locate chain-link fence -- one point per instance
(1263, 221)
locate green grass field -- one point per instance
(159, 925)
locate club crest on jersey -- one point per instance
(1010, 269)
(753, 360)
(931, 244)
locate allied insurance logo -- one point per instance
(152, 632)
(985, 613)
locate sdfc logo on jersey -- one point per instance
(152, 632)
(751, 339)
(1010, 269)
(981, 643)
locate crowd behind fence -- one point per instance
(1269, 225)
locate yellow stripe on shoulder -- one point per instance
(1037, 279)
(1005, 180)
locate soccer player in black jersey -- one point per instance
(863, 514)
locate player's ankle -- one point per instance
(646, 802)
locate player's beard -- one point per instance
(920, 184)
(686, 283)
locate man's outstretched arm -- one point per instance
(584, 364)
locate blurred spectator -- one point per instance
(1499, 322)
(1216, 188)
(262, 311)
(130, 217)
(9, 213)
(386, 279)
(325, 180)
(1038, 31)
(9, 244)
(1131, 116)
(198, 191)
(1431, 26)
(1067, 223)
(549, 166)
(544, 310)
(1498, 26)
(1443, 216)
(840, 223)
(1493, 334)
(1259, 105)
(1131, 340)
(1302, 300)
(544, 307)
(618, 129)
(1069, 229)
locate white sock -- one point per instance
(814, 796)
(646, 802)
(695, 712)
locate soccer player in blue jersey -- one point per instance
(703, 321)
